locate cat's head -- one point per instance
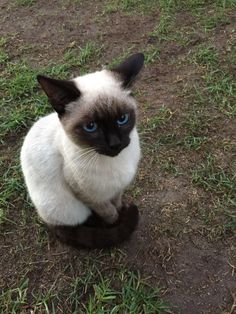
(97, 110)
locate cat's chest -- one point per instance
(102, 180)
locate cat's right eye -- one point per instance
(90, 127)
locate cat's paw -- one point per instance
(112, 217)
(117, 202)
(119, 207)
(127, 206)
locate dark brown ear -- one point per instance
(130, 68)
(59, 92)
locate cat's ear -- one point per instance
(59, 92)
(129, 69)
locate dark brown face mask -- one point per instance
(106, 129)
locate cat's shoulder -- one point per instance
(48, 120)
(46, 124)
(43, 130)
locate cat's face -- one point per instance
(96, 110)
(105, 125)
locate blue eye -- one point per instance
(123, 119)
(90, 127)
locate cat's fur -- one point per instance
(69, 172)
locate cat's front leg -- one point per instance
(117, 201)
(107, 211)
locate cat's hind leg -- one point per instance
(56, 204)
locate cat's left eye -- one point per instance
(123, 119)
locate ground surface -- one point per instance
(184, 247)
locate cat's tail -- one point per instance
(97, 234)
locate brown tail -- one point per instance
(97, 234)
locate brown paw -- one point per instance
(126, 206)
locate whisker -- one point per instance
(81, 157)
(82, 162)
(88, 164)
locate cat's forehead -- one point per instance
(99, 109)
(102, 99)
(107, 108)
(101, 96)
(100, 82)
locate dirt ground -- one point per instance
(171, 246)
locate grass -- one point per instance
(170, 7)
(192, 142)
(151, 54)
(15, 300)
(3, 54)
(168, 165)
(206, 55)
(21, 101)
(205, 101)
(132, 296)
(125, 292)
(130, 6)
(164, 27)
(163, 115)
(11, 186)
(209, 15)
(117, 60)
(81, 57)
(221, 183)
(219, 87)
(25, 3)
(222, 89)
(215, 179)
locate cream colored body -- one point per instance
(57, 171)
(52, 164)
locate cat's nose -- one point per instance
(114, 141)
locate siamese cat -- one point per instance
(78, 160)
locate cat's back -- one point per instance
(40, 143)
(44, 127)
